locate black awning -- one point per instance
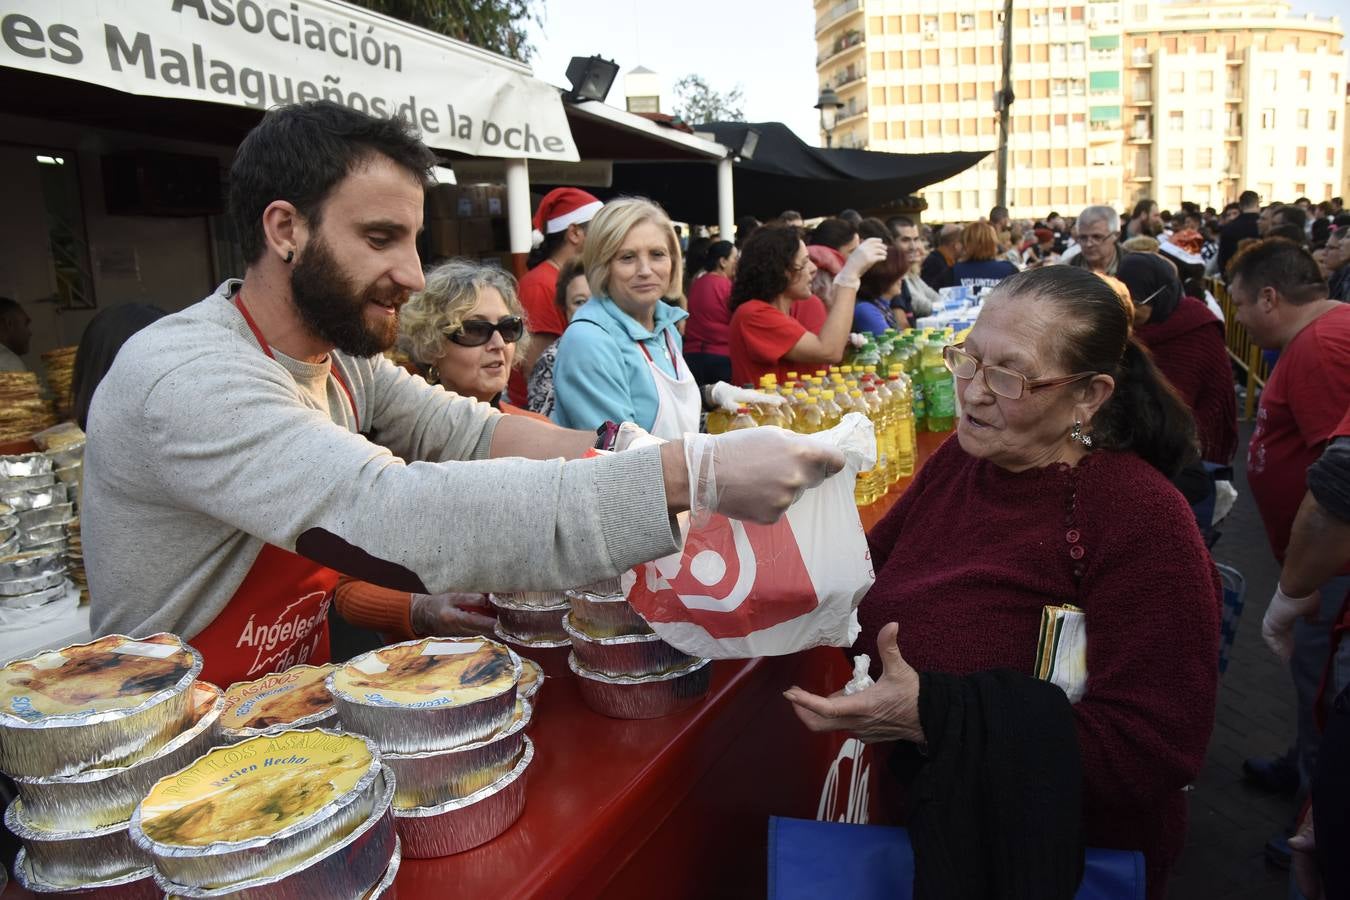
(785, 173)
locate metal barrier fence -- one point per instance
(1240, 347)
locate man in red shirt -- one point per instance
(1281, 299)
(559, 233)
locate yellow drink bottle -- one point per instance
(742, 420)
(717, 420)
(871, 401)
(906, 433)
(810, 419)
(829, 409)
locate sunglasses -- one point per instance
(477, 332)
(1004, 382)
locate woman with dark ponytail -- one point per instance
(1055, 490)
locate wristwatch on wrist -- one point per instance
(607, 435)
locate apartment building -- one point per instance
(1115, 99)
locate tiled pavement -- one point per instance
(1230, 821)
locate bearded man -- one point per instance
(245, 451)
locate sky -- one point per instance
(766, 47)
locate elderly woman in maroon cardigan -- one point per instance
(1055, 490)
(1187, 342)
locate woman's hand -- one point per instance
(887, 711)
(864, 256)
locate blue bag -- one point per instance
(809, 860)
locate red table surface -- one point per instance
(670, 807)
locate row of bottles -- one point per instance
(918, 352)
(817, 403)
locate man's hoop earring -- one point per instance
(290, 255)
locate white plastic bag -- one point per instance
(741, 590)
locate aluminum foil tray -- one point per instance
(429, 694)
(346, 870)
(19, 500)
(66, 455)
(44, 535)
(460, 825)
(57, 512)
(136, 885)
(19, 483)
(550, 655)
(530, 623)
(101, 797)
(271, 803)
(35, 599)
(70, 474)
(24, 465)
(627, 654)
(385, 890)
(15, 586)
(118, 712)
(539, 599)
(646, 697)
(605, 615)
(74, 858)
(429, 779)
(609, 587)
(28, 563)
(282, 701)
(531, 679)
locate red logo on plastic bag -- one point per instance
(734, 578)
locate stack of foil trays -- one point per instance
(531, 622)
(300, 813)
(36, 517)
(450, 724)
(84, 732)
(623, 669)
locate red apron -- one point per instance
(278, 617)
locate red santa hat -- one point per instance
(562, 207)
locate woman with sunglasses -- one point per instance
(1055, 490)
(463, 331)
(1187, 343)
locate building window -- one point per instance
(1170, 44)
(1270, 157)
(1204, 158)
(986, 55)
(1176, 159)
(1300, 188)
(1305, 82)
(1176, 82)
(1267, 118)
(967, 56)
(1206, 120)
(1059, 52)
(1331, 120)
(1104, 82)
(1204, 82)
(1077, 87)
(1077, 52)
(1335, 84)
(1139, 90)
(966, 22)
(1061, 120)
(1059, 88)
(1271, 79)
(1300, 157)
(1331, 157)
(930, 24)
(1301, 119)
(968, 90)
(1057, 16)
(1176, 120)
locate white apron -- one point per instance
(678, 400)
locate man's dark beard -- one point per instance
(333, 307)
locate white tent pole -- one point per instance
(726, 216)
(518, 211)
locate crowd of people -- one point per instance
(258, 451)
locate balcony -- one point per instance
(1140, 136)
(849, 77)
(849, 114)
(846, 42)
(1232, 134)
(836, 14)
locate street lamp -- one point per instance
(829, 106)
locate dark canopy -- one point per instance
(787, 174)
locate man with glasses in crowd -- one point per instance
(1098, 231)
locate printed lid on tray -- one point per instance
(431, 673)
(277, 699)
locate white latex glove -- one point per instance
(857, 340)
(632, 436)
(754, 474)
(1277, 628)
(864, 256)
(444, 615)
(731, 398)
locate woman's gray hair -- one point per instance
(1105, 214)
(451, 293)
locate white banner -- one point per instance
(262, 53)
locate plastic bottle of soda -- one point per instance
(742, 420)
(939, 390)
(809, 418)
(916, 387)
(881, 424)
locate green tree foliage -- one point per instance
(696, 102)
(496, 25)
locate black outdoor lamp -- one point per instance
(591, 77)
(829, 106)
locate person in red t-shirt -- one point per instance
(776, 267)
(1280, 297)
(559, 233)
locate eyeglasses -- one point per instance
(477, 332)
(1004, 382)
(1095, 238)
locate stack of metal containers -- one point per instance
(623, 669)
(64, 446)
(459, 756)
(36, 514)
(531, 622)
(85, 731)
